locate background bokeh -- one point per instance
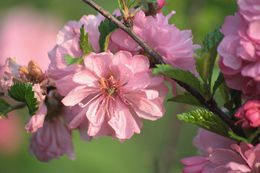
(162, 143)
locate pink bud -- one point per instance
(160, 4)
(249, 113)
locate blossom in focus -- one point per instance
(174, 45)
(52, 141)
(114, 93)
(249, 114)
(68, 44)
(27, 35)
(240, 49)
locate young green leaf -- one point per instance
(205, 64)
(23, 92)
(84, 43)
(178, 74)
(4, 108)
(186, 98)
(70, 60)
(218, 82)
(205, 119)
(211, 40)
(105, 28)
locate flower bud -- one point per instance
(249, 114)
(23, 71)
(34, 69)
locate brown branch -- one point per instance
(211, 105)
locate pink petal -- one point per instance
(77, 95)
(253, 30)
(85, 77)
(122, 120)
(37, 120)
(225, 156)
(145, 108)
(193, 160)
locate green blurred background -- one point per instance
(161, 143)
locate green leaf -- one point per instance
(186, 98)
(178, 74)
(70, 60)
(205, 64)
(218, 82)
(205, 119)
(211, 40)
(23, 92)
(84, 43)
(4, 108)
(105, 28)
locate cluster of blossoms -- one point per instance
(109, 91)
(240, 49)
(240, 64)
(240, 58)
(106, 94)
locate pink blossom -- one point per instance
(68, 44)
(174, 45)
(26, 74)
(240, 50)
(37, 120)
(52, 141)
(250, 9)
(206, 142)
(27, 35)
(249, 114)
(115, 92)
(222, 155)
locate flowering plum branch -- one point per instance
(107, 73)
(210, 104)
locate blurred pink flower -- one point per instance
(27, 35)
(249, 114)
(68, 44)
(240, 49)
(206, 143)
(222, 155)
(52, 141)
(11, 133)
(39, 81)
(114, 93)
(174, 45)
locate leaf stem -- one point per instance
(253, 136)
(211, 104)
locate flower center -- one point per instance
(109, 85)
